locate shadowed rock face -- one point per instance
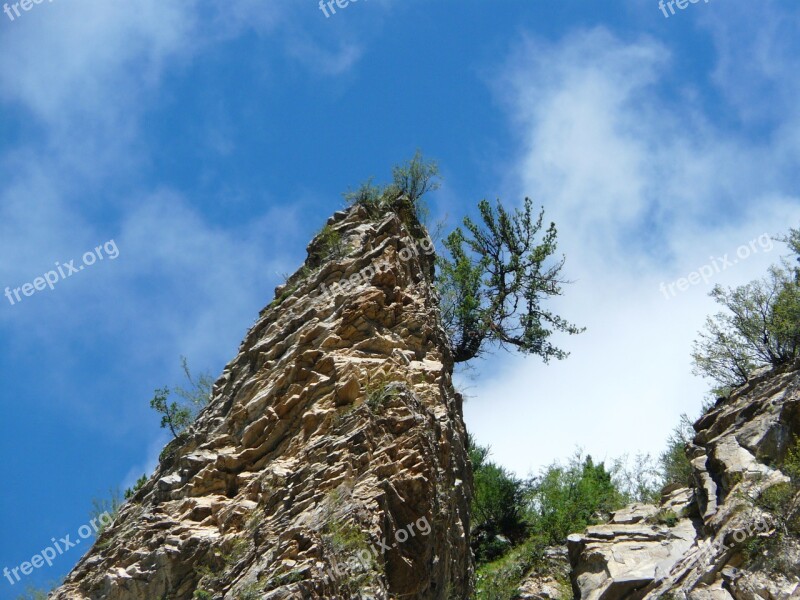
(331, 462)
(701, 553)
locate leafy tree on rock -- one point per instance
(760, 327)
(495, 279)
(497, 272)
(178, 415)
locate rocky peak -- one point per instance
(331, 461)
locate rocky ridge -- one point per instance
(331, 461)
(707, 542)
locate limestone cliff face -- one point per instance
(712, 541)
(331, 462)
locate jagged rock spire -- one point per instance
(331, 461)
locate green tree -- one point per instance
(567, 499)
(497, 509)
(174, 416)
(760, 327)
(675, 465)
(494, 280)
(496, 273)
(178, 415)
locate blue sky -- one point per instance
(210, 141)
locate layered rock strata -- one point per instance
(331, 461)
(715, 541)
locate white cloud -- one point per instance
(644, 190)
(85, 57)
(80, 76)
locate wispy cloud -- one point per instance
(644, 187)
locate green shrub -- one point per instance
(514, 521)
(236, 550)
(500, 579)
(33, 594)
(344, 538)
(131, 491)
(252, 591)
(675, 465)
(202, 595)
(345, 542)
(497, 509)
(404, 196)
(665, 516)
(782, 502)
(791, 463)
(378, 391)
(567, 499)
(291, 284)
(178, 415)
(328, 244)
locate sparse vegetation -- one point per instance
(33, 594)
(131, 491)
(291, 283)
(255, 520)
(101, 506)
(675, 465)
(345, 543)
(665, 516)
(782, 502)
(236, 550)
(378, 391)
(178, 415)
(287, 578)
(499, 580)
(329, 244)
(404, 196)
(252, 591)
(760, 326)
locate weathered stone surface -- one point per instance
(334, 430)
(546, 582)
(703, 555)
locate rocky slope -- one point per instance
(331, 460)
(715, 541)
